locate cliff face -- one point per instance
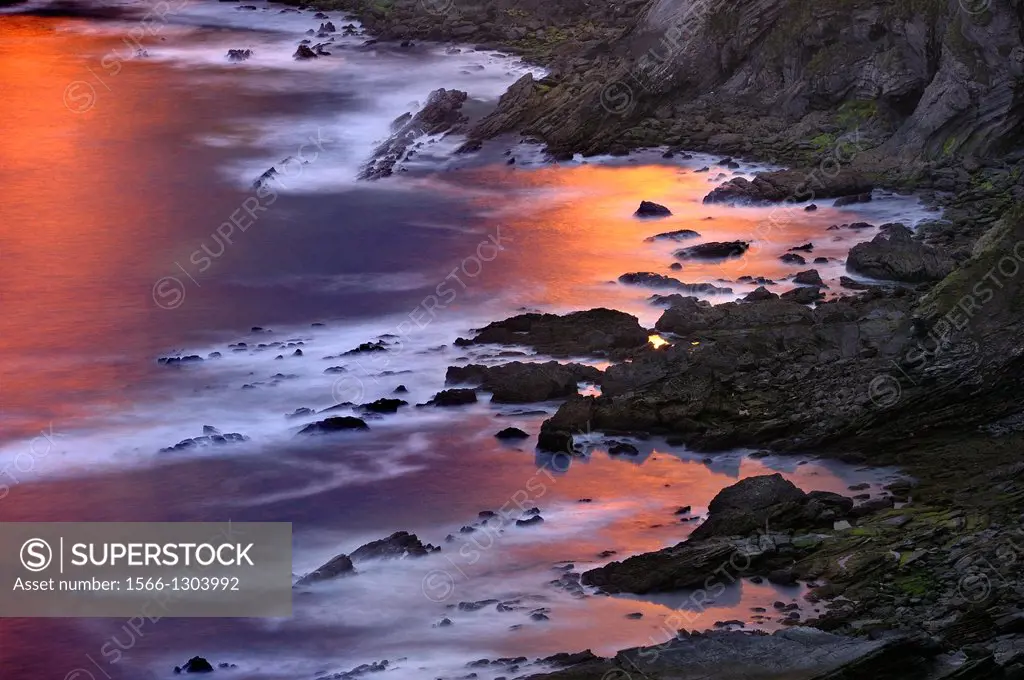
(929, 78)
(949, 74)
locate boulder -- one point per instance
(793, 258)
(384, 405)
(760, 294)
(457, 397)
(803, 295)
(651, 209)
(512, 433)
(196, 664)
(335, 424)
(810, 277)
(894, 255)
(714, 250)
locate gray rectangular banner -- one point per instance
(148, 569)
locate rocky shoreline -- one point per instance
(923, 372)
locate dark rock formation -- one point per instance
(651, 209)
(457, 397)
(338, 566)
(894, 255)
(713, 250)
(793, 185)
(521, 383)
(335, 424)
(398, 545)
(441, 114)
(678, 235)
(239, 55)
(652, 280)
(510, 433)
(599, 332)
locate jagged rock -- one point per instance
(804, 295)
(335, 424)
(760, 294)
(594, 332)
(196, 664)
(337, 566)
(894, 255)
(214, 439)
(810, 277)
(512, 433)
(651, 209)
(398, 545)
(441, 114)
(520, 383)
(305, 52)
(792, 258)
(239, 55)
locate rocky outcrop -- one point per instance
(678, 235)
(894, 255)
(596, 332)
(456, 397)
(337, 566)
(335, 424)
(521, 383)
(399, 545)
(792, 185)
(652, 280)
(239, 55)
(441, 114)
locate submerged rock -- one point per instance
(678, 235)
(196, 664)
(239, 55)
(211, 439)
(512, 433)
(384, 405)
(653, 280)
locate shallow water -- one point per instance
(110, 258)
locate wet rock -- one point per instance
(304, 52)
(214, 439)
(807, 247)
(594, 332)
(650, 209)
(441, 114)
(714, 250)
(678, 235)
(335, 424)
(864, 197)
(398, 545)
(196, 664)
(401, 389)
(338, 566)
(239, 55)
(792, 258)
(378, 346)
(777, 186)
(384, 405)
(760, 294)
(530, 521)
(512, 433)
(652, 280)
(457, 397)
(520, 382)
(804, 295)
(622, 449)
(894, 255)
(181, 360)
